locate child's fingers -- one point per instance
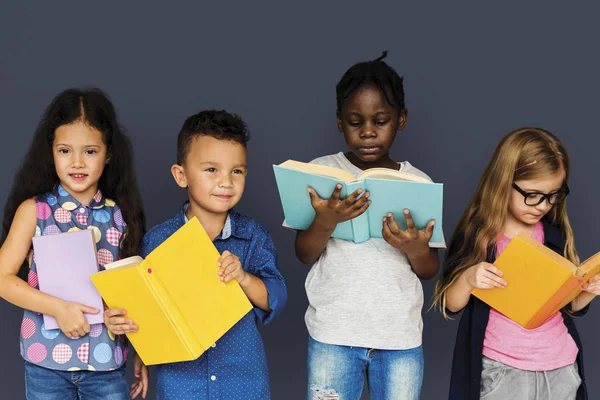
(335, 196)
(492, 268)
(358, 211)
(314, 198)
(144, 382)
(228, 264)
(235, 273)
(498, 282)
(360, 202)
(490, 283)
(411, 228)
(393, 226)
(593, 287)
(350, 200)
(223, 257)
(594, 278)
(120, 321)
(87, 309)
(388, 236)
(136, 389)
(113, 312)
(228, 270)
(123, 329)
(428, 231)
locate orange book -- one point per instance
(539, 281)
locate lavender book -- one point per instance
(64, 264)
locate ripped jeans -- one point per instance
(338, 372)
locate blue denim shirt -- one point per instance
(235, 367)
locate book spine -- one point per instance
(360, 228)
(170, 309)
(564, 295)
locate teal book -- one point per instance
(390, 191)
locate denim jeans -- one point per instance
(338, 372)
(48, 384)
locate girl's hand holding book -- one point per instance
(71, 321)
(593, 285)
(117, 323)
(484, 276)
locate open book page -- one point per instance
(317, 169)
(386, 173)
(591, 266)
(126, 262)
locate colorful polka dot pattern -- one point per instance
(98, 351)
(235, 368)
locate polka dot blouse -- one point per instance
(99, 350)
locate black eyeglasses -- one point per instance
(535, 198)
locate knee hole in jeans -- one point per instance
(324, 394)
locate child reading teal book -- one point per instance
(390, 191)
(366, 299)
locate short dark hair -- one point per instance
(375, 73)
(218, 124)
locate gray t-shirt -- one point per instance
(366, 294)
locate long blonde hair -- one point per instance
(523, 154)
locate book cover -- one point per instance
(390, 191)
(64, 264)
(175, 296)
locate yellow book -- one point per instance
(175, 296)
(539, 281)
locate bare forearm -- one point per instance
(16, 291)
(256, 291)
(581, 301)
(425, 265)
(311, 243)
(458, 294)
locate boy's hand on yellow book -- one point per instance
(140, 371)
(593, 285)
(484, 276)
(116, 321)
(231, 268)
(71, 321)
(412, 241)
(332, 211)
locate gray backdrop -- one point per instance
(473, 72)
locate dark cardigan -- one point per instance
(465, 380)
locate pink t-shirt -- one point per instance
(544, 348)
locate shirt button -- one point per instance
(81, 210)
(213, 345)
(213, 378)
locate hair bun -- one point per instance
(382, 56)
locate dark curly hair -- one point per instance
(375, 73)
(218, 124)
(37, 174)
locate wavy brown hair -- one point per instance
(37, 174)
(542, 154)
